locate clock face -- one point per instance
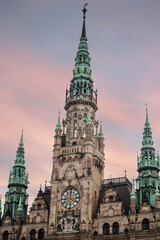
(70, 198)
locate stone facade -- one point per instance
(80, 203)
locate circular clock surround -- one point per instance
(70, 198)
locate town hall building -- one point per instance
(80, 204)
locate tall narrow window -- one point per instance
(84, 128)
(106, 229)
(41, 234)
(115, 228)
(5, 235)
(75, 129)
(145, 224)
(33, 234)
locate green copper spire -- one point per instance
(81, 86)
(100, 132)
(16, 197)
(147, 134)
(58, 126)
(133, 195)
(148, 168)
(20, 153)
(89, 120)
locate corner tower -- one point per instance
(78, 155)
(148, 169)
(16, 199)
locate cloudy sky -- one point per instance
(38, 44)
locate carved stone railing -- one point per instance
(71, 150)
(117, 181)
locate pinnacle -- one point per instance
(133, 192)
(89, 121)
(58, 126)
(83, 35)
(21, 141)
(100, 132)
(147, 124)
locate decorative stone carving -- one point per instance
(68, 221)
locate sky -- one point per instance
(38, 43)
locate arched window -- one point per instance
(41, 234)
(33, 234)
(5, 235)
(75, 129)
(84, 128)
(110, 198)
(115, 228)
(145, 224)
(39, 206)
(95, 233)
(74, 144)
(23, 238)
(106, 229)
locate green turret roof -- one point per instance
(147, 134)
(20, 153)
(16, 197)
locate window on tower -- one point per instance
(145, 224)
(75, 129)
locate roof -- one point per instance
(123, 186)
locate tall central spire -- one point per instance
(81, 86)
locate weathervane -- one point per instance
(84, 10)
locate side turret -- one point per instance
(148, 169)
(17, 184)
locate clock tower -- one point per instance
(78, 155)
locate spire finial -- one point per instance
(58, 126)
(147, 121)
(125, 173)
(21, 141)
(84, 10)
(83, 35)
